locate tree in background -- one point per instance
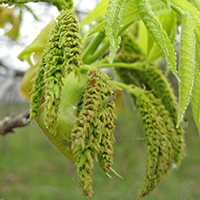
(75, 104)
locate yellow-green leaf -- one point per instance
(38, 44)
(113, 18)
(196, 24)
(95, 14)
(186, 6)
(157, 32)
(131, 12)
(196, 98)
(99, 28)
(143, 38)
(168, 22)
(186, 64)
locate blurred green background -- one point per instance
(31, 168)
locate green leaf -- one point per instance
(160, 7)
(95, 14)
(113, 18)
(168, 22)
(38, 44)
(196, 24)
(143, 38)
(99, 28)
(196, 98)
(130, 15)
(157, 32)
(131, 12)
(185, 6)
(186, 64)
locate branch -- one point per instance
(8, 123)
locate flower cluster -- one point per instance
(92, 136)
(161, 140)
(154, 81)
(61, 56)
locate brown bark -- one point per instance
(8, 124)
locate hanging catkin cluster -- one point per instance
(92, 137)
(161, 138)
(158, 109)
(61, 56)
(154, 81)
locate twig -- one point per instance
(8, 123)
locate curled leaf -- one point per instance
(38, 44)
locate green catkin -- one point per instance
(128, 45)
(106, 115)
(128, 76)
(92, 137)
(159, 148)
(169, 125)
(54, 73)
(155, 81)
(70, 41)
(37, 90)
(150, 76)
(62, 56)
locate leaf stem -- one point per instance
(136, 65)
(93, 47)
(132, 89)
(177, 10)
(89, 56)
(92, 58)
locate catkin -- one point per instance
(92, 137)
(64, 49)
(37, 90)
(70, 41)
(61, 56)
(154, 81)
(159, 137)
